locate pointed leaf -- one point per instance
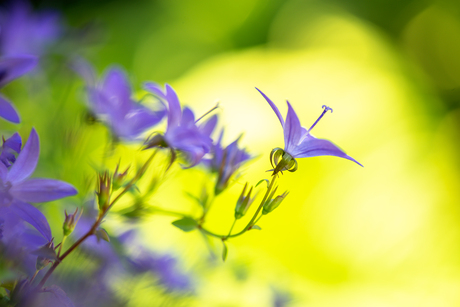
(186, 224)
(101, 234)
(224, 251)
(266, 180)
(256, 227)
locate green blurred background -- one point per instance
(384, 235)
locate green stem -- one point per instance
(231, 228)
(251, 222)
(97, 223)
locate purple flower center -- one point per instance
(326, 108)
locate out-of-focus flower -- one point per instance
(298, 141)
(164, 267)
(11, 68)
(16, 190)
(26, 32)
(110, 99)
(225, 161)
(182, 132)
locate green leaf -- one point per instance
(256, 227)
(101, 234)
(266, 180)
(186, 224)
(224, 251)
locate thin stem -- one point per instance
(97, 223)
(251, 222)
(33, 277)
(60, 246)
(231, 228)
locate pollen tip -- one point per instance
(326, 108)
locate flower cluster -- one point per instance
(32, 253)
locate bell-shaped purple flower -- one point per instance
(225, 161)
(16, 188)
(13, 67)
(182, 132)
(110, 99)
(298, 141)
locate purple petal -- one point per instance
(3, 172)
(292, 129)
(275, 109)
(313, 147)
(8, 112)
(155, 89)
(15, 66)
(116, 86)
(136, 122)
(208, 127)
(174, 112)
(40, 190)
(188, 119)
(27, 160)
(85, 70)
(33, 216)
(60, 295)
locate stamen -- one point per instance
(215, 107)
(326, 108)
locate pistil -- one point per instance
(326, 108)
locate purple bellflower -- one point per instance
(111, 100)
(225, 161)
(182, 132)
(26, 32)
(17, 189)
(13, 67)
(298, 141)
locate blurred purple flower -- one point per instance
(16, 190)
(225, 161)
(110, 99)
(13, 67)
(182, 132)
(298, 141)
(26, 32)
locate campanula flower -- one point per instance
(225, 161)
(298, 141)
(13, 67)
(26, 32)
(17, 189)
(110, 99)
(182, 132)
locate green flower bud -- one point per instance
(272, 204)
(103, 191)
(70, 222)
(243, 203)
(119, 178)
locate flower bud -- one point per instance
(243, 203)
(119, 178)
(103, 191)
(70, 222)
(272, 204)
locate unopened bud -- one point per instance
(119, 178)
(103, 191)
(243, 203)
(70, 222)
(272, 204)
